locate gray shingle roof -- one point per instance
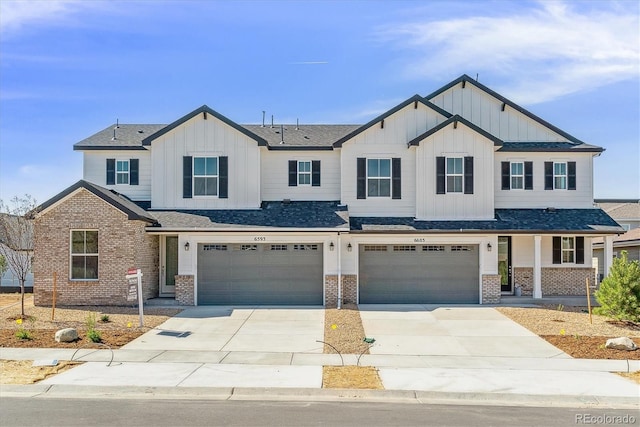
(128, 137)
(506, 220)
(311, 215)
(304, 136)
(549, 146)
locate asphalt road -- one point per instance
(152, 412)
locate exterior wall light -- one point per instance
(186, 246)
(331, 246)
(489, 247)
(349, 247)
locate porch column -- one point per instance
(537, 267)
(608, 254)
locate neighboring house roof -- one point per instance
(465, 78)
(455, 119)
(117, 200)
(543, 221)
(413, 100)
(620, 209)
(301, 136)
(203, 110)
(294, 215)
(630, 238)
(127, 137)
(529, 146)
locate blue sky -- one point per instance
(71, 68)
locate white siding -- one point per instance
(486, 112)
(580, 198)
(211, 137)
(450, 142)
(274, 182)
(385, 143)
(522, 251)
(95, 171)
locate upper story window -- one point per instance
(379, 177)
(84, 254)
(560, 176)
(205, 176)
(517, 176)
(454, 174)
(122, 171)
(304, 172)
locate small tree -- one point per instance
(3, 266)
(619, 293)
(16, 238)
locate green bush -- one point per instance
(23, 334)
(104, 318)
(94, 335)
(619, 292)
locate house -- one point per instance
(459, 196)
(627, 213)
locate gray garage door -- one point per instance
(427, 274)
(260, 274)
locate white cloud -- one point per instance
(538, 54)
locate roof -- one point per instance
(414, 99)
(630, 238)
(455, 119)
(299, 136)
(547, 146)
(621, 210)
(294, 215)
(543, 221)
(466, 78)
(117, 200)
(127, 137)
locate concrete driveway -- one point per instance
(238, 329)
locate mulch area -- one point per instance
(343, 330)
(45, 338)
(590, 347)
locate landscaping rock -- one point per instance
(66, 335)
(622, 343)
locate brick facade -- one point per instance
(122, 244)
(566, 280)
(349, 289)
(491, 288)
(185, 290)
(523, 277)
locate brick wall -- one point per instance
(491, 288)
(331, 290)
(523, 277)
(122, 243)
(566, 281)
(185, 294)
(350, 288)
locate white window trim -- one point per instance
(512, 175)
(447, 175)
(379, 178)
(563, 250)
(72, 254)
(194, 176)
(120, 173)
(566, 175)
(300, 173)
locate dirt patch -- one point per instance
(633, 376)
(45, 338)
(343, 329)
(589, 347)
(351, 377)
(23, 372)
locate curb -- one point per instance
(314, 395)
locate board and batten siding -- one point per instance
(95, 171)
(451, 142)
(580, 198)
(387, 142)
(205, 138)
(485, 111)
(274, 182)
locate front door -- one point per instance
(504, 264)
(169, 266)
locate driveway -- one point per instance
(242, 329)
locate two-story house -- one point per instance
(459, 196)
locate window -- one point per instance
(454, 175)
(379, 177)
(305, 247)
(84, 255)
(205, 176)
(560, 176)
(461, 248)
(568, 250)
(433, 248)
(404, 248)
(122, 171)
(214, 247)
(279, 247)
(304, 173)
(375, 248)
(517, 176)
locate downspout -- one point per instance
(339, 273)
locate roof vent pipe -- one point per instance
(263, 113)
(281, 134)
(297, 124)
(272, 121)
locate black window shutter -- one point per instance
(506, 175)
(557, 250)
(134, 171)
(571, 172)
(528, 175)
(111, 171)
(440, 176)
(315, 173)
(396, 178)
(293, 173)
(187, 183)
(579, 250)
(468, 175)
(223, 177)
(362, 178)
(548, 175)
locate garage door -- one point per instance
(426, 274)
(260, 274)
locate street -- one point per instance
(154, 412)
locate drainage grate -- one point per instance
(177, 334)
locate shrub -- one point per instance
(94, 335)
(91, 321)
(23, 334)
(104, 318)
(619, 293)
